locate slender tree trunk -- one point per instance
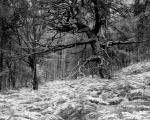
(32, 63)
(34, 70)
(3, 75)
(11, 74)
(13, 77)
(14, 74)
(1, 69)
(11, 80)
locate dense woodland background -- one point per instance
(45, 40)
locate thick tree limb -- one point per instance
(56, 48)
(127, 42)
(62, 47)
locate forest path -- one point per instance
(125, 97)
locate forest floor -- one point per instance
(125, 97)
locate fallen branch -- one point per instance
(56, 48)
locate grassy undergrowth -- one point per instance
(125, 97)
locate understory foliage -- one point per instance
(125, 97)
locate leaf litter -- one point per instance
(125, 97)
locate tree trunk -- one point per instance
(32, 64)
(35, 79)
(12, 73)
(3, 73)
(1, 69)
(96, 51)
(13, 76)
